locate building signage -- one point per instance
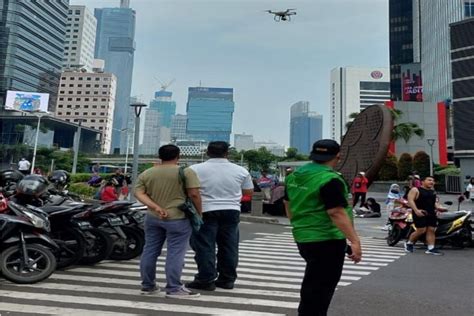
(376, 74)
(27, 101)
(412, 87)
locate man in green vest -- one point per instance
(321, 217)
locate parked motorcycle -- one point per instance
(26, 250)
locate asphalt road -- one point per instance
(387, 282)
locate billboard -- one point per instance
(27, 101)
(412, 86)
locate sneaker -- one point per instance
(149, 291)
(211, 286)
(182, 293)
(409, 247)
(225, 285)
(434, 252)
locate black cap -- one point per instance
(324, 150)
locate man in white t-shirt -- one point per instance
(24, 166)
(222, 186)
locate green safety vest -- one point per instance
(309, 216)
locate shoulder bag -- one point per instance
(188, 206)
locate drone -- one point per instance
(282, 15)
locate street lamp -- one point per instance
(138, 110)
(431, 143)
(126, 129)
(77, 141)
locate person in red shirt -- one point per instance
(359, 189)
(109, 192)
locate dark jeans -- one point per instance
(222, 228)
(324, 261)
(356, 197)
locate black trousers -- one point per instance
(324, 261)
(356, 197)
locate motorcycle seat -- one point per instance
(447, 217)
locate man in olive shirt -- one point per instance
(160, 189)
(320, 215)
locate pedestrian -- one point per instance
(359, 189)
(265, 184)
(222, 186)
(423, 203)
(321, 218)
(109, 193)
(393, 195)
(470, 190)
(416, 181)
(24, 166)
(95, 168)
(160, 189)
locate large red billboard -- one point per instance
(412, 86)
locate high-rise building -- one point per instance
(402, 47)
(88, 99)
(32, 35)
(243, 142)
(165, 106)
(115, 43)
(435, 17)
(462, 61)
(305, 127)
(352, 90)
(273, 147)
(80, 38)
(178, 127)
(210, 112)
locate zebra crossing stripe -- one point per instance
(151, 306)
(52, 310)
(130, 292)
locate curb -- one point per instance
(260, 219)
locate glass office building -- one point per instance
(32, 35)
(165, 106)
(115, 43)
(305, 127)
(210, 112)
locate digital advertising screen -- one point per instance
(27, 101)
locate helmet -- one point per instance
(10, 176)
(59, 177)
(32, 184)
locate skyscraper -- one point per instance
(32, 35)
(243, 142)
(352, 90)
(210, 112)
(115, 43)
(178, 127)
(80, 38)
(402, 46)
(305, 127)
(165, 106)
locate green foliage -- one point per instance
(259, 159)
(142, 167)
(421, 163)
(83, 189)
(293, 155)
(405, 166)
(84, 177)
(14, 153)
(389, 169)
(63, 160)
(448, 171)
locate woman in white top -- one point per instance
(470, 189)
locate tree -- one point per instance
(389, 169)
(293, 155)
(260, 159)
(405, 130)
(421, 163)
(405, 166)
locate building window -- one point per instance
(79, 85)
(86, 106)
(71, 85)
(89, 78)
(97, 79)
(63, 84)
(92, 121)
(80, 78)
(96, 86)
(60, 113)
(84, 113)
(76, 113)
(86, 99)
(68, 113)
(69, 99)
(78, 99)
(95, 99)
(94, 107)
(468, 9)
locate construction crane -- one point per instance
(165, 85)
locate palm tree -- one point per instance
(406, 130)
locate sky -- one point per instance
(236, 44)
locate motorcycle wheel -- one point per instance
(98, 246)
(41, 263)
(464, 239)
(394, 236)
(129, 248)
(71, 244)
